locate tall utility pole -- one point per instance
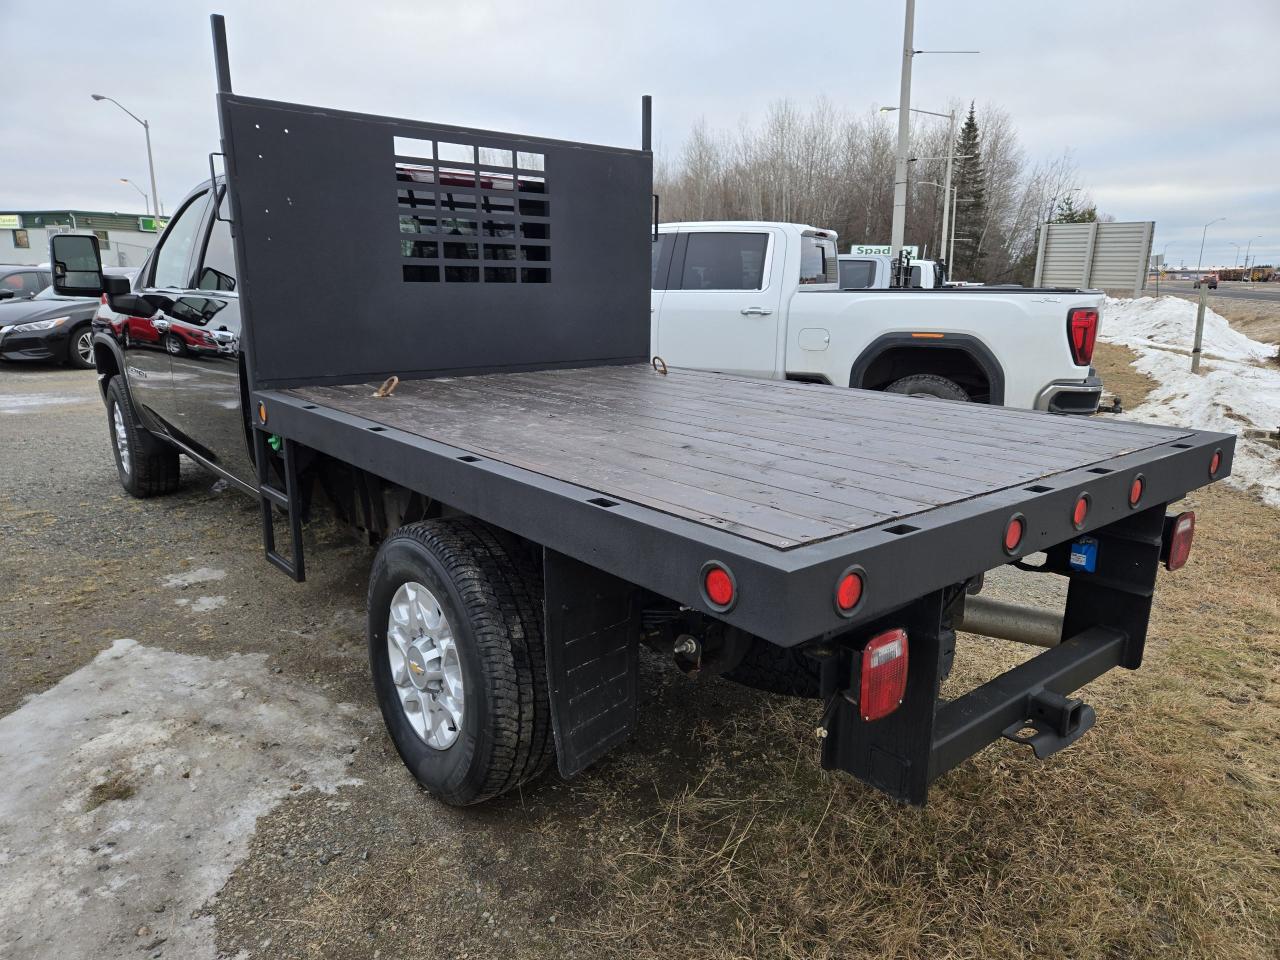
(1200, 262)
(899, 228)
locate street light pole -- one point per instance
(146, 127)
(951, 158)
(146, 201)
(899, 224)
(1200, 262)
(1247, 250)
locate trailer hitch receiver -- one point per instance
(1053, 723)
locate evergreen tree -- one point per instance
(971, 217)
(1068, 212)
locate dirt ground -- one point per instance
(712, 834)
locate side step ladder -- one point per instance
(288, 499)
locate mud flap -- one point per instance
(593, 649)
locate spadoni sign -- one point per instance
(882, 250)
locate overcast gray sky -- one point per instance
(1171, 110)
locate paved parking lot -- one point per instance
(194, 767)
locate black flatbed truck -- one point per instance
(547, 497)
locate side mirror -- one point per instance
(8, 294)
(122, 299)
(77, 265)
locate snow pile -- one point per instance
(1170, 323)
(1238, 385)
(130, 793)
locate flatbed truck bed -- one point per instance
(545, 497)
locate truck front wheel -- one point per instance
(928, 385)
(456, 651)
(146, 465)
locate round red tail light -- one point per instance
(1136, 488)
(718, 587)
(848, 591)
(1081, 511)
(1013, 532)
(1216, 463)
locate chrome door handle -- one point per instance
(160, 323)
(755, 311)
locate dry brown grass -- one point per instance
(1158, 835)
(1113, 363)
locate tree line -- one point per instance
(832, 169)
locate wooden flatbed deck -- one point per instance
(782, 464)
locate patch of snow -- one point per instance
(1170, 322)
(1238, 385)
(31, 402)
(131, 790)
(199, 575)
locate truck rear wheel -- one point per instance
(146, 465)
(456, 651)
(928, 385)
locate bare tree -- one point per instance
(828, 168)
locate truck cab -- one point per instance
(176, 335)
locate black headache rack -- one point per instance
(370, 247)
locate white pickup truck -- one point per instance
(764, 300)
(872, 271)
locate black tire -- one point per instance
(491, 595)
(80, 348)
(152, 466)
(775, 669)
(174, 346)
(928, 385)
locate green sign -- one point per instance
(882, 250)
(10, 221)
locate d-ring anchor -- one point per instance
(388, 387)
(659, 364)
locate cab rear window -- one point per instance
(818, 260)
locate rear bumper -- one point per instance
(1104, 626)
(1071, 396)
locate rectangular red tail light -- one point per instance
(1179, 531)
(884, 674)
(1082, 334)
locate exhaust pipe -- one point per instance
(1011, 621)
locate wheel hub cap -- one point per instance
(425, 666)
(121, 438)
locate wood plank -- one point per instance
(833, 403)
(872, 438)
(1052, 424)
(757, 513)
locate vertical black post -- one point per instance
(646, 122)
(221, 62)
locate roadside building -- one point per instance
(125, 238)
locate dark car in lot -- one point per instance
(50, 326)
(22, 281)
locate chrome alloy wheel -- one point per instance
(425, 666)
(121, 438)
(84, 347)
